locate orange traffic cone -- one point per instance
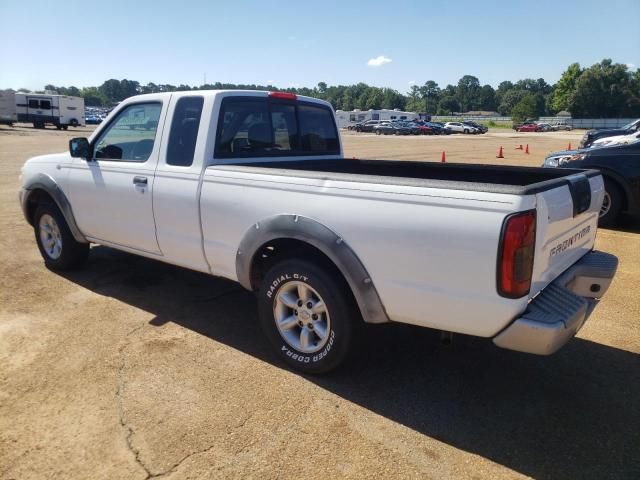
(500, 153)
(443, 157)
(519, 147)
(526, 150)
(569, 147)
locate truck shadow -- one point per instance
(573, 415)
(628, 223)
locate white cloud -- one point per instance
(411, 82)
(631, 66)
(269, 82)
(379, 61)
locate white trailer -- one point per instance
(7, 107)
(350, 118)
(59, 110)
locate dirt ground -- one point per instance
(135, 369)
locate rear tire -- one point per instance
(57, 246)
(308, 314)
(611, 205)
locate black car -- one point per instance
(388, 128)
(620, 167)
(367, 126)
(593, 135)
(439, 128)
(477, 126)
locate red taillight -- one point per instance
(515, 255)
(283, 95)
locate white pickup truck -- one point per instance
(253, 186)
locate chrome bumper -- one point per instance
(561, 309)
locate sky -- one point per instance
(296, 43)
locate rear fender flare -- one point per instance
(310, 231)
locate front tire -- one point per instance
(308, 314)
(57, 246)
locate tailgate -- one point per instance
(567, 220)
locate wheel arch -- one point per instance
(294, 233)
(44, 188)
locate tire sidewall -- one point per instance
(72, 254)
(339, 308)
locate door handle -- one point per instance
(139, 180)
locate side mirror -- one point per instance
(80, 148)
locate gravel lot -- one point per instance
(136, 369)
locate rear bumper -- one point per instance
(561, 309)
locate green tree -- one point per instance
(565, 87)
(111, 91)
(467, 92)
(448, 105)
(347, 100)
(487, 98)
(430, 93)
(605, 89)
(92, 97)
(525, 108)
(509, 100)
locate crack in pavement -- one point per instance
(121, 411)
(123, 423)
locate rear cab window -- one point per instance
(267, 127)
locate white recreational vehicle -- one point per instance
(7, 107)
(58, 110)
(349, 118)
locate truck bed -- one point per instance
(461, 176)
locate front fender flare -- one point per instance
(324, 239)
(42, 181)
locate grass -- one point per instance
(499, 124)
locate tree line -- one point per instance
(605, 89)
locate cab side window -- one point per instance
(184, 131)
(131, 135)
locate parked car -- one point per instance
(392, 128)
(413, 128)
(616, 140)
(620, 168)
(561, 126)
(546, 127)
(366, 126)
(91, 119)
(459, 127)
(593, 135)
(438, 128)
(529, 127)
(528, 121)
(325, 242)
(479, 127)
(385, 128)
(424, 129)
